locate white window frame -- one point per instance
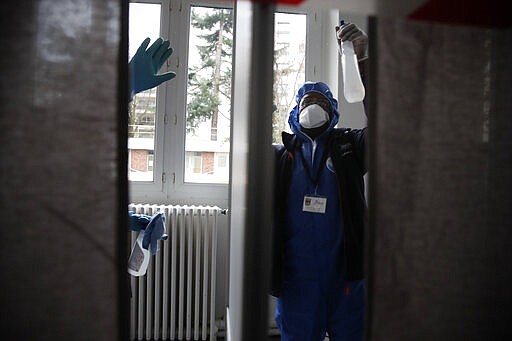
(168, 185)
(151, 191)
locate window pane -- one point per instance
(289, 70)
(144, 22)
(208, 94)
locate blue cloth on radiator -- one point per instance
(153, 226)
(155, 231)
(137, 222)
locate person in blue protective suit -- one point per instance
(144, 67)
(320, 216)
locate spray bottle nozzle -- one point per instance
(342, 22)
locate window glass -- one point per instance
(193, 163)
(222, 160)
(208, 94)
(188, 156)
(150, 162)
(144, 22)
(289, 67)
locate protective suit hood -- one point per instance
(321, 88)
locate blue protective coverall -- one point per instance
(314, 296)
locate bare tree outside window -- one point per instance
(209, 81)
(289, 70)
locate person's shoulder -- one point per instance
(360, 134)
(356, 136)
(340, 132)
(356, 132)
(350, 130)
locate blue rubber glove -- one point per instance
(146, 63)
(155, 231)
(137, 222)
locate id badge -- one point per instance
(314, 204)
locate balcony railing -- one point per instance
(141, 131)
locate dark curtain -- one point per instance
(62, 170)
(440, 239)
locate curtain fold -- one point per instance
(61, 184)
(442, 158)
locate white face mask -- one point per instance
(313, 116)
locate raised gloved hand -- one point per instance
(349, 31)
(154, 232)
(146, 63)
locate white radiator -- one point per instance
(175, 300)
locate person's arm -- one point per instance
(146, 63)
(359, 38)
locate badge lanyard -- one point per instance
(314, 203)
(315, 179)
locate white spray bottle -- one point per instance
(139, 258)
(353, 88)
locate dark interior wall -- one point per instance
(440, 193)
(59, 169)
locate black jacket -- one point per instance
(347, 148)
